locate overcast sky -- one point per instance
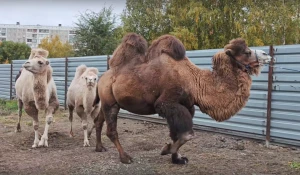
(52, 12)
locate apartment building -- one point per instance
(33, 34)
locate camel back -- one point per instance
(167, 44)
(131, 50)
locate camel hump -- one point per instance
(167, 44)
(38, 52)
(131, 50)
(80, 70)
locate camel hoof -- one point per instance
(35, 144)
(100, 149)
(177, 159)
(43, 142)
(125, 158)
(86, 143)
(166, 149)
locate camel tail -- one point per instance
(169, 45)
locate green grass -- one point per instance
(294, 165)
(8, 106)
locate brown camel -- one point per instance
(169, 84)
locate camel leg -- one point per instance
(80, 112)
(98, 125)
(31, 110)
(111, 114)
(20, 107)
(179, 119)
(90, 131)
(53, 106)
(94, 116)
(71, 109)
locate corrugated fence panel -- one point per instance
(285, 118)
(5, 81)
(58, 66)
(17, 65)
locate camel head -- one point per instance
(38, 51)
(250, 61)
(36, 65)
(91, 77)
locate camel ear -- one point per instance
(229, 52)
(47, 62)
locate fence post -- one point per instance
(11, 79)
(66, 82)
(107, 64)
(270, 89)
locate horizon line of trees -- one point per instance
(199, 24)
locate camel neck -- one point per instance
(40, 91)
(88, 99)
(220, 94)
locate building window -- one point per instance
(2, 39)
(29, 40)
(29, 30)
(72, 32)
(34, 40)
(43, 31)
(34, 30)
(3, 34)
(34, 35)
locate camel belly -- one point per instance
(136, 105)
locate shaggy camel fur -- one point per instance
(36, 90)
(81, 95)
(169, 84)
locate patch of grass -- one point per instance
(294, 165)
(8, 106)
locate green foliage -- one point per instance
(8, 106)
(13, 51)
(96, 33)
(146, 17)
(206, 24)
(56, 48)
(294, 165)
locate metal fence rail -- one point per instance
(280, 122)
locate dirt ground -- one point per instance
(208, 153)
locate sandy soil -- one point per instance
(208, 153)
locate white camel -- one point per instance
(36, 90)
(81, 95)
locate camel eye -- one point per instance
(95, 79)
(40, 62)
(85, 78)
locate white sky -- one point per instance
(52, 12)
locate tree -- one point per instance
(13, 51)
(146, 17)
(56, 48)
(96, 33)
(206, 24)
